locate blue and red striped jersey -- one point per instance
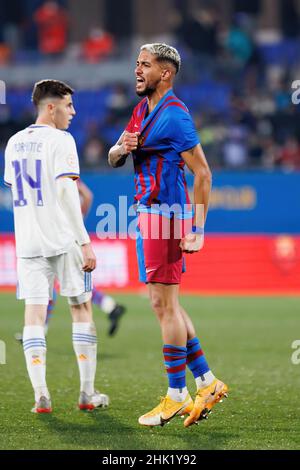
(159, 168)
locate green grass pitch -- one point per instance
(247, 342)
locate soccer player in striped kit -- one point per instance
(162, 139)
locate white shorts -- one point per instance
(36, 276)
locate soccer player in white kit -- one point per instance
(41, 166)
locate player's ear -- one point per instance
(50, 107)
(166, 74)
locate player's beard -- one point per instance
(148, 91)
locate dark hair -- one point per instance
(50, 89)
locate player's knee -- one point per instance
(80, 299)
(164, 310)
(157, 304)
(35, 311)
(81, 309)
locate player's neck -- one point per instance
(44, 121)
(156, 97)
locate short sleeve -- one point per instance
(66, 157)
(182, 132)
(8, 170)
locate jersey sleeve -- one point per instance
(66, 157)
(8, 170)
(181, 130)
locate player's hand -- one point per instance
(192, 243)
(130, 142)
(89, 258)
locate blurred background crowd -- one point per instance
(240, 59)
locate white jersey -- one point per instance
(34, 158)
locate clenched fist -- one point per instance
(130, 141)
(192, 243)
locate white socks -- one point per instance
(205, 379)
(85, 347)
(177, 394)
(107, 304)
(34, 346)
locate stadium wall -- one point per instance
(228, 264)
(252, 239)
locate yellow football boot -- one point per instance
(206, 398)
(166, 410)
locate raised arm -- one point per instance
(119, 152)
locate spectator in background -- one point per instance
(25, 118)
(235, 152)
(285, 122)
(240, 112)
(239, 44)
(8, 125)
(12, 16)
(289, 18)
(52, 24)
(94, 154)
(118, 104)
(282, 95)
(270, 152)
(199, 31)
(98, 45)
(5, 54)
(289, 155)
(249, 10)
(11, 24)
(242, 48)
(212, 130)
(256, 151)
